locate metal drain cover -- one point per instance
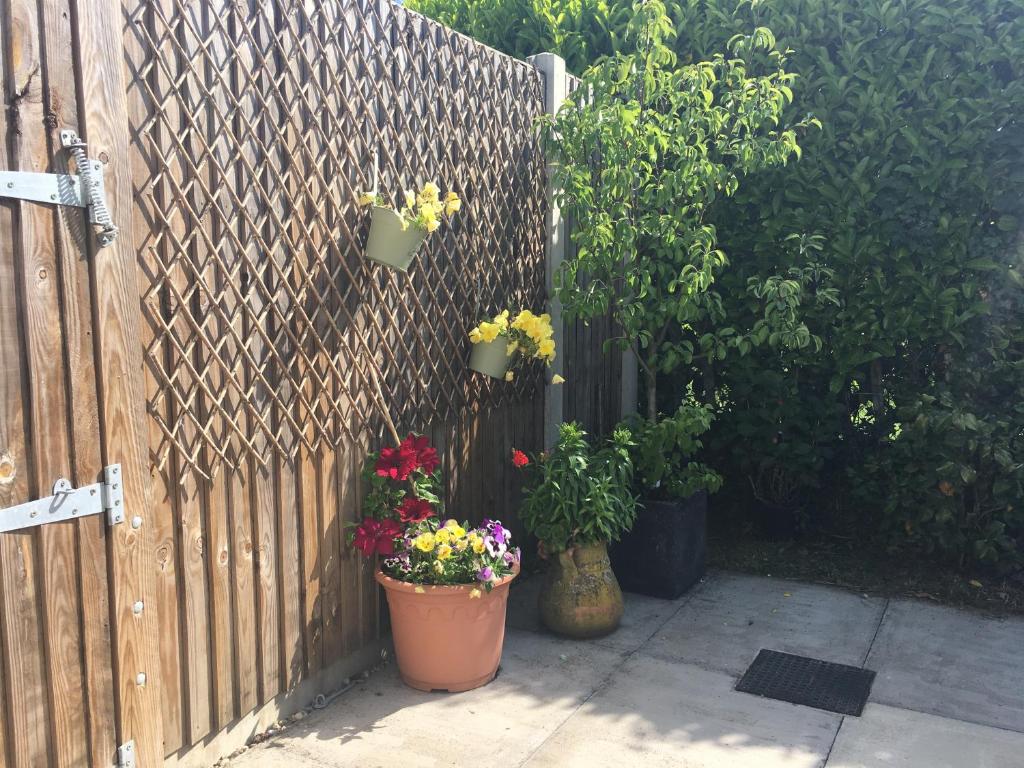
(811, 682)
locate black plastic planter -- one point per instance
(666, 552)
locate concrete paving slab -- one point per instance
(885, 737)
(642, 616)
(734, 616)
(656, 713)
(384, 724)
(952, 663)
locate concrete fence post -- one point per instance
(555, 235)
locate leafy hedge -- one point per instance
(896, 241)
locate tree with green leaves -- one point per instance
(640, 154)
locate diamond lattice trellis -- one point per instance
(262, 123)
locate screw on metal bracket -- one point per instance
(126, 755)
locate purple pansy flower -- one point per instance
(494, 547)
(485, 574)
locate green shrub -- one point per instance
(913, 188)
(578, 494)
(664, 453)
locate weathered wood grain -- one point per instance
(25, 683)
(104, 121)
(59, 606)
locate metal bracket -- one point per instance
(126, 755)
(68, 503)
(85, 190)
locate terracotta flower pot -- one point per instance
(390, 244)
(490, 357)
(444, 639)
(580, 596)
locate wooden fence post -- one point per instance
(555, 233)
(122, 396)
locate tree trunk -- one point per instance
(652, 393)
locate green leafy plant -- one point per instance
(576, 493)
(664, 453)
(639, 159)
(913, 189)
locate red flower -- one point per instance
(396, 463)
(426, 457)
(519, 458)
(376, 536)
(413, 510)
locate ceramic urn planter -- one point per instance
(446, 640)
(580, 596)
(490, 357)
(390, 244)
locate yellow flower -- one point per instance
(511, 349)
(546, 348)
(454, 528)
(444, 552)
(461, 544)
(438, 567)
(556, 379)
(474, 594)
(509, 375)
(501, 319)
(431, 224)
(410, 198)
(443, 536)
(478, 546)
(489, 331)
(523, 319)
(452, 203)
(474, 336)
(366, 198)
(424, 542)
(429, 192)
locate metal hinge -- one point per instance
(126, 755)
(68, 503)
(85, 190)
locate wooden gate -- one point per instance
(80, 672)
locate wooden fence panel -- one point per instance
(236, 354)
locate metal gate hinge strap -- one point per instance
(84, 190)
(126, 755)
(68, 503)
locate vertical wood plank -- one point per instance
(24, 675)
(190, 283)
(145, 39)
(241, 26)
(219, 244)
(330, 589)
(59, 603)
(312, 539)
(104, 121)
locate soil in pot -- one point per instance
(665, 553)
(580, 596)
(446, 640)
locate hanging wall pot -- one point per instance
(505, 339)
(389, 244)
(396, 234)
(490, 357)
